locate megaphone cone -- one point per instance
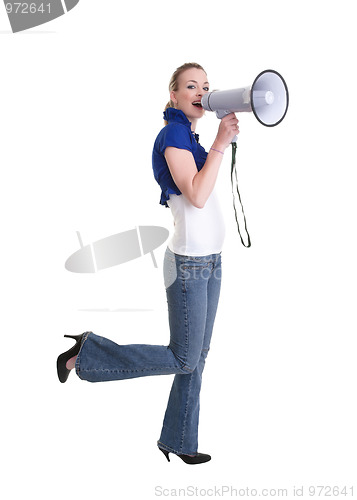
(269, 98)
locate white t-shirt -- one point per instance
(198, 231)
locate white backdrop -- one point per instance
(82, 101)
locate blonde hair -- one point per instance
(173, 86)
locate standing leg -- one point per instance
(180, 428)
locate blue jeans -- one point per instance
(192, 289)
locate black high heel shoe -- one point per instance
(62, 359)
(199, 458)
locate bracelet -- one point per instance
(218, 151)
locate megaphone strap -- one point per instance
(235, 181)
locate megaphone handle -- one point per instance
(221, 114)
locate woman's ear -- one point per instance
(173, 97)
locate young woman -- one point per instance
(192, 270)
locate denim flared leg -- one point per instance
(180, 428)
(192, 286)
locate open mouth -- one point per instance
(197, 104)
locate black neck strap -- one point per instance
(235, 181)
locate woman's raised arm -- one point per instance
(197, 186)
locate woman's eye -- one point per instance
(206, 89)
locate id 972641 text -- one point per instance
(27, 8)
(324, 491)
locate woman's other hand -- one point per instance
(228, 128)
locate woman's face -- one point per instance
(192, 84)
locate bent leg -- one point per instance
(101, 359)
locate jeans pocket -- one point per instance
(195, 270)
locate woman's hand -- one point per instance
(228, 128)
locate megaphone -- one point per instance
(267, 97)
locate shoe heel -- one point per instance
(74, 337)
(62, 370)
(166, 453)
